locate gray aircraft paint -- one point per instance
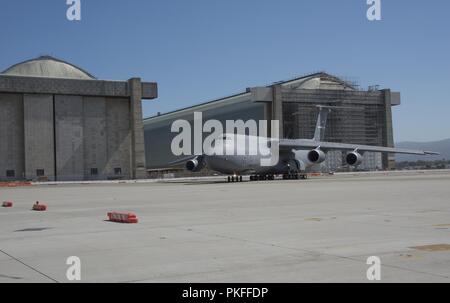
(294, 153)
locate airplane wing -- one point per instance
(328, 146)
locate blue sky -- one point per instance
(198, 50)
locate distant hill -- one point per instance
(442, 147)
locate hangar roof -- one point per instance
(320, 80)
(48, 67)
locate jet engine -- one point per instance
(354, 158)
(195, 165)
(316, 156)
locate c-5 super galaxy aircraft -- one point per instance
(295, 155)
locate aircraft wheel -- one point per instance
(240, 178)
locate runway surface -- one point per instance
(318, 230)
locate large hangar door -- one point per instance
(95, 142)
(39, 137)
(69, 138)
(118, 136)
(11, 137)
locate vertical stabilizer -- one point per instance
(321, 125)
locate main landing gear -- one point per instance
(234, 178)
(295, 176)
(262, 177)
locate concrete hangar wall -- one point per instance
(57, 122)
(366, 118)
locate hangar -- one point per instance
(58, 122)
(365, 117)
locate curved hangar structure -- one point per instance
(48, 67)
(58, 122)
(365, 119)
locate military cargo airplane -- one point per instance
(295, 155)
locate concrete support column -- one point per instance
(138, 168)
(277, 107)
(388, 133)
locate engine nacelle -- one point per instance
(195, 165)
(316, 156)
(354, 159)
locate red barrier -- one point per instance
(7, 204)
(14, 184)
(122, 217)
(39, 207)
(315, 174)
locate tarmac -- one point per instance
(206, 230)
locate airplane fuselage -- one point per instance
(238, 159)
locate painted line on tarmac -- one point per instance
(29, 266)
